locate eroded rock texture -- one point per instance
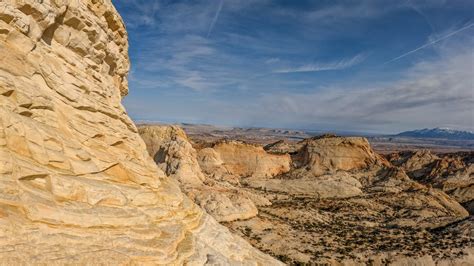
(244, 160)
(452, 172)
(76, 183)
(172, 151)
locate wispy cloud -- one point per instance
(272, 60)
(195, 81)
(338, 65)
(216, 17)
(431, 93)
(428, 44)
(142, 13)
(191, 58)
(351, 10)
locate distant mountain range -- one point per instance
(439, 133)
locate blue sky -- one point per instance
(370, 65)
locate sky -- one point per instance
(375, 66)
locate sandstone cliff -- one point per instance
(76, 183)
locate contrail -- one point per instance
(430, 43)
(214, 20)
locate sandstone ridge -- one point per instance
(76, 183)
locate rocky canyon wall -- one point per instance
(76, 182)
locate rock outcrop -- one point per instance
(242, 160)
(283, 147)
(453, 173)
(174, 154)
(325, 167)
(328, 155)
(76, 183)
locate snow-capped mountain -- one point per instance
(439, 133)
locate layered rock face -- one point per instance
(76, 183)
(328, 200)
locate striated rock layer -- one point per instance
(76, 183)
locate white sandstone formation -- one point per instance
(174, 154)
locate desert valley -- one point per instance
(82, 184)
(325, 199)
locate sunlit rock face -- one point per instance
(245, 160)
(76, 182)
(174, 154)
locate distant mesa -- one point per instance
(438, 133)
